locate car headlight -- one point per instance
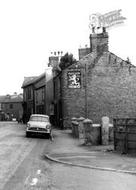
(48, 126)
(28, 125)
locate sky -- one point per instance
(31, 29)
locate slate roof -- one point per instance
(93, 59)
(2, 98)
(11, 98)
(31, 80)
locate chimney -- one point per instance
(53, 60)
(99, 42)
(54, 63)
(83, 52)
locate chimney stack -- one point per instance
(83, 52)
(99, 42)
(53, 60)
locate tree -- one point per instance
(66, 61)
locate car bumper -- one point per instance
(38, 131)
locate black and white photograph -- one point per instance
(67, 95)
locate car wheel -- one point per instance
(47, 136)
(27, 134)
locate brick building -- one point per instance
(99, 84)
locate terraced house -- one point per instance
(11, 107)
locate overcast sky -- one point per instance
(31, 29)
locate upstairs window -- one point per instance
(29, 93)
(11, 106)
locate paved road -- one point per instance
(21, 160)
(24, 167)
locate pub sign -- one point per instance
(74, 78)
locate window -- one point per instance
(11, 106)
(36, 97)
(42, 94)
(39, 118)
(29, 93)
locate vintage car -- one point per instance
(38, 124)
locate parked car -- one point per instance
(38, 124)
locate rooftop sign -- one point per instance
(107, 20)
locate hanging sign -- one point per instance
(74, 79)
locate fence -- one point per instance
(125, 135)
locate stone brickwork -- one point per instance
(83, 52)
(73, 100)
(111, 89)
(108, 86)
(99, 43)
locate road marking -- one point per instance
(26, 181)
(34, 181)
(38, 172)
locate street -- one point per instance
(20, 157)
(23, 166)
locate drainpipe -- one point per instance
(86, 93)
(33, 89)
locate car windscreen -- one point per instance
(38, 118)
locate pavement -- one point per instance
(65, 149)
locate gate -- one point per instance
(125, 135)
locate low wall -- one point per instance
(88, 132)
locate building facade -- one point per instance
(28, 97)
(99, 84)
(11, 107)
(37, 95)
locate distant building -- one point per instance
(37, 94)
(11, 107)
(28, 97)
(99, 84)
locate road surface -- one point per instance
(24, 167)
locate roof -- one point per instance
(31, 80)
(93, 59)
(2, 98)
(11, 98)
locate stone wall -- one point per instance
(111, 89)
(110, 85)
(73, 100)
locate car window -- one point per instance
(38, 118)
